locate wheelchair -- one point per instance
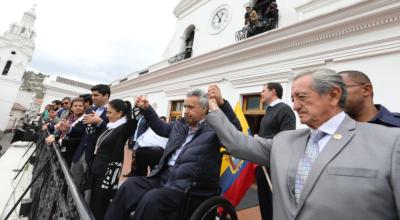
(203, 203)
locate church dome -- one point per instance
(31, 12)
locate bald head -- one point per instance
(359, 103)
(357, 76)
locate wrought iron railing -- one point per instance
(258, 28)
(180, 56)
(52, 190)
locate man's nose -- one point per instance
(296, 105)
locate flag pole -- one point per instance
(267, 177)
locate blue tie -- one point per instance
(305, 163)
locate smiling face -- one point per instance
(194, 112)
(313, 108)
(77, 108)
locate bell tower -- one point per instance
(16, 50)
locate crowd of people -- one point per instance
(260, 20)
(346, 164)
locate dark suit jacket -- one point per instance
(90, 134)
(199, 160)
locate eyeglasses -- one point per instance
(65, 103)
(353, 85)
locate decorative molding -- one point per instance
(357, 19)
(176, 91)
(186, 6)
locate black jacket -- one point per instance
(199, 160)
(90, 134)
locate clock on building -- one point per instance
(219, 20)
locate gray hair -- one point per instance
(324, 80)
(201, 94)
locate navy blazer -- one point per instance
(199, 160)
(90, 134)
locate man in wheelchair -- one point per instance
(191, 155)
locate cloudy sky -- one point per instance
(95, 40)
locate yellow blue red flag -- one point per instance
(236, 175)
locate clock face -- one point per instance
(220, 19)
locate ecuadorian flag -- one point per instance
(236, 175)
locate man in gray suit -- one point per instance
(337, 169)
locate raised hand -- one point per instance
(142, 102)
(64, 126)
(215, 93)
(212, 104)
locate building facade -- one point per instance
(56, 88)
(359, 35)
(16, 50)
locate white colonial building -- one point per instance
(359, 35)
(56, 88)
(16, 49)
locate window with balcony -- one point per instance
(259, 18)
(176, 111)
(253, 110)
(186, 51)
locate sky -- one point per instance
(95, 41)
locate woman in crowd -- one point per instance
(69, 143)
(109, 154)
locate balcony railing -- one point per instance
(258, 28)
(53, 193)
(180, 56)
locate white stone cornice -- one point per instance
(60, 89)
(260, 79)
(358, 19)
(183, 6)
(174, 91)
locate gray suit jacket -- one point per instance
(354, 177)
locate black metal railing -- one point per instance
(53, 193)
(180, 56)
(257, 28)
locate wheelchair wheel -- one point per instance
(215, 208)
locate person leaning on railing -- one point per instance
(69, 142)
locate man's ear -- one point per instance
(205, 110)
(368, 90)
(335, 94)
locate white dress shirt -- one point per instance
(330, 127)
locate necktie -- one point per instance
(305, 163)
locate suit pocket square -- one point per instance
(353, 172)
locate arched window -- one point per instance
(188, 43)
(186, 46)
(7, 68)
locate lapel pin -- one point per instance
(337, 136)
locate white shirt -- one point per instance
(189, 137)
(150, 139)
(330, 127)
(275, 102)
(100, 110)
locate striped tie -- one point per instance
(305, 163)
